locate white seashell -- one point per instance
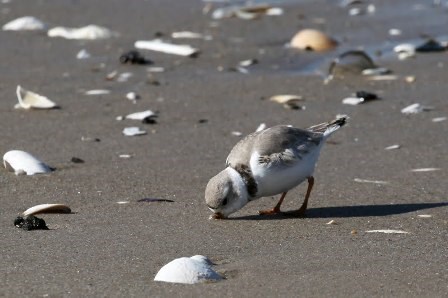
(123, 202)
(370, 181)
(405, 50)
(353, 101)
(388, 231)
(132, 96)
(124, 77)
(415, 109)
(24, 24)
(275, 11)
(394, 32)
(188, 271)
(47, 208)
(425, 170)
(133, 131)
(141, 115)
(22, 162)
(89, 32)
(439, 119)
(332, 222)
(424, 215)
(164, 47)
(189, 35)
(31, 100)
(236, 133)
(393, 147)
(286, 98)
(83, 54)
(261, 127)
(155, 69)
(97, 92)
(125, 156)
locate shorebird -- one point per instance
(267, 163)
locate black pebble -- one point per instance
(77, 160)
(134, 57)
(30, 222)
(366, 95)
(203, 121)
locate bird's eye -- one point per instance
(224, 202)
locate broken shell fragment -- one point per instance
(360, 97)
(190, 35)
(249, 12)
(405, 50)
(439, 119)
(132, 96)
(393, 147)
(351, 63)
(289, 101)
(370, 181)
(188, 271)
(388, 231)
(31, 100)
(83, 54)
(164, 47)
(424, 215)
(47, 208)
(97, 92)
(22, 162)
(312, 40)
(141, 115)
(90, 32)
(26, 23)
(133, 131)
(261, 127)
(425, 170)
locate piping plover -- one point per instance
(267, 163)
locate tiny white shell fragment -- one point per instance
(393, 147)
(439, 119)
(155, 69)
(164, 47)
(405, 50)
(26, 23)
(247, 63)
(125, 156)
(332, 222)
(90, 32)
(353, 101)
(124, 77)
(188, 271)
(275, 11)
(425, 170)
(237, 133)
(22, 162)
(370, 181)
(261, 127)
(190, 35)
(415, 109)
(375, 71)
(132, 96)
(133, 131)
(123, 202)
(119, 118)
(97, 92)
(286, 98)
(394, 32)
(140, 115)
(47, 208)
(388, 231)
(424, 215)
(83, 54)
(31, 100)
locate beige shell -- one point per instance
(47, 208)
(313, 40)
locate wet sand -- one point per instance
(110, 249)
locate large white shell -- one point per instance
(24, 23)
(164, 47)
(47, 208)
(415, 109)
(140, 115)
(31, 100)
(133, 131)
(90, 32)
(22, 162)
(188, 271)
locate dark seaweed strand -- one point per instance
(248, 179)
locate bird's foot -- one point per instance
(270, 211)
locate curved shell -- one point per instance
(26, 23)
(22, 162)
(89, 32)
(47, 208)
(312, 40)
(31, 100)
(188, 271)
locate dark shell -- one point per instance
(351, 62)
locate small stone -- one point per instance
(30, 222)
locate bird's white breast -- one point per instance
(278, 178)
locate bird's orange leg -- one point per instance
(276, 209)
(301, 211)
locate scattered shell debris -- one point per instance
(388, 231)
(424, 215)
(426, 170)
(370, 181)
(392, 147)
(415, 109)
(30, 223)
(134, 57)
(360, 97)
(165, 47)
(248, 12)
(47, 208)
(313, 40)
(188, 271)
(23, 163)
(439, 119)
(289, 101)
(83, 54)
(27, 23)
(30, 100)
(90, 32)
(97, 92)
(133, 131)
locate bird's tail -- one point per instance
(328, 128)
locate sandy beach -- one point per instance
(106, 249)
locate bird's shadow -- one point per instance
(349, 211)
